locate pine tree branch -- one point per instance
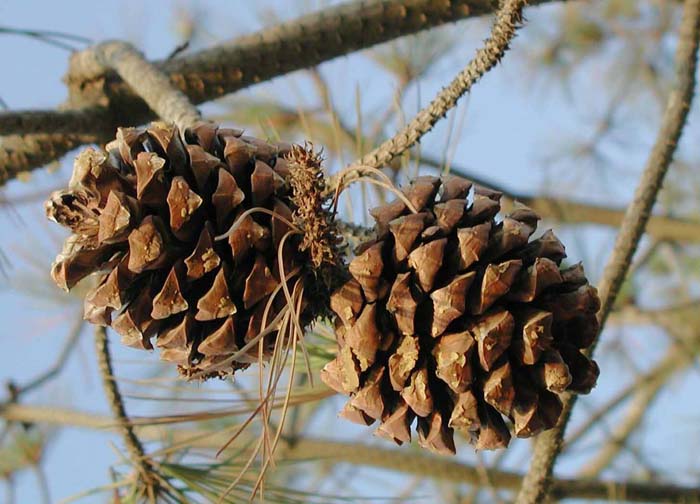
(137, 455)
(106, 102)
(419, 464)
(83, 121)
(20, 154)
(548, 445)
(508, 20)
(148, 81)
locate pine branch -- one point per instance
(137, 455)
(106, 102)
(548, 445)
(419, 464)
(84, 121)
(148, 81)
(508, 20)
(19, 154)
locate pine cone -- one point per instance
(456, 318)
(145, 214)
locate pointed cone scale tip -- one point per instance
(202, 164)
(259, 283)
(402, 304)
(493, 333)
(247, 235)
(227, 197)
(347, 301)
(364, 337)
(221, 341)
(405, 231)
(369, 398)
(497, 280)
(367, 269)
(216, 303)
(203, 258)
(449, 302)
(435, 436)
(150, 178)
(531, 282)
(472, 243)
(422, 191)
(183, 202)
(465, 413)
(454, 187)
(426, 260)
(146, 245)
(417, 393)
(332, 375)
(355, 415)
(449, 214)
(533, 335)
(453, 361)
(396, 426)
(170, 300)
(262, 183)
(499, 391)
(386, 213)
(403, 361)
(177, 336)
(493, 433)
(116, 219)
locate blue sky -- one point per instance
(512, 122)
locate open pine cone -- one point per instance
(455, 318)
(145, 213)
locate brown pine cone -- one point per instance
(455, 318)
(145, 214)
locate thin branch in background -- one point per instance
(307, 449)
(536, 484)
(508, 20)
(137, 455)
(671, 364)
(68, 346)
(50, 37)
(43, 484)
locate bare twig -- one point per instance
(133, 445)
(548, 445)
(51, 37)
(68, 346)
(507, 22)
